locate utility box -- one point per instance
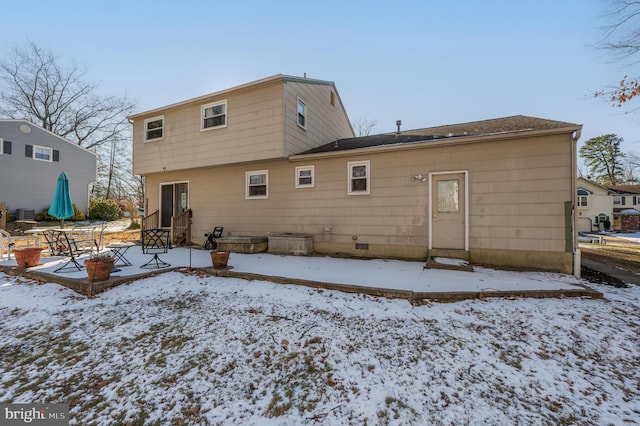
(291, 243)
(25, 214)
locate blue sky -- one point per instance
(427, 63)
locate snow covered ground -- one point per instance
(181, 348)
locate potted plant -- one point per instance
(99, 267)
(220, 259)
(27, 257)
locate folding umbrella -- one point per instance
(61, 206)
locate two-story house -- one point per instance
(594, 207)
(279, 155)
(626, 205)
(31, 158)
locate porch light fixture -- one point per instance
(418, 177)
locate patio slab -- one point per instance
(377, 277)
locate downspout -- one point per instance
(577, 258)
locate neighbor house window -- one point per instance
(42, 153)
(304, 176)
(257, 184)
(583, 198)
(617, 200)
(214, 115)
(154, 128)
(359, 177)
(302, 114)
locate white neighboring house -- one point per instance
(31, 158)
(594, 206)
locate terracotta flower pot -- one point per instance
(27, 257)
(219, 259)
(98, 271)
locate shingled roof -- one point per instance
(514, 124)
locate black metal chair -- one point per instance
(62, 244)
(211, 243)
(155, 242)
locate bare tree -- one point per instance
(630, 167)
(622, 39)
(364, 127)
(35, 87)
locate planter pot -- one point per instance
(27, 257)
(219, 259)
(98, 271)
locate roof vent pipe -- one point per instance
(398, 123)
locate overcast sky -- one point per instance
(427, 63)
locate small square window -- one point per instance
(359, 178)
(257, 184)
(154, 128)
(305, 177)
(214, 115)
(42, 153)
(302, 114)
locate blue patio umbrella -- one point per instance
(61, 206)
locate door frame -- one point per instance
(466, 205)
(160, 185)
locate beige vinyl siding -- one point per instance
(253, 132)
(516, 200)
(325, 122)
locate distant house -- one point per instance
(31, 158)
(626, 205)
(279, 155)
(594, 206)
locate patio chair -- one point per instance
(211, 243)
(155, 242)
(61, 243)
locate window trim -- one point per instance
(583, 201)
(305, 114)
(248, 175)
(210, 105)
(313, 178)
(146, 130)
(49, 158)
(350, 166)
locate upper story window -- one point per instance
(214, 115)
(302, 114)
(257, 184)
(42, 153)
(359, 177)
(305, 176)
(617, 200)
(583, 198)
(154, 128)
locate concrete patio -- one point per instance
(378, 277)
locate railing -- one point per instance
(5, 240)
(149, 222)
(181, 228)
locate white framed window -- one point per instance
(305, 177)
(359, 177)
(257, 184)
(42, 153)
(214, 115)
(154, 128)
(583, 198)
(302, 114)
(617, 200)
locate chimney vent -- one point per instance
(398, 123)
